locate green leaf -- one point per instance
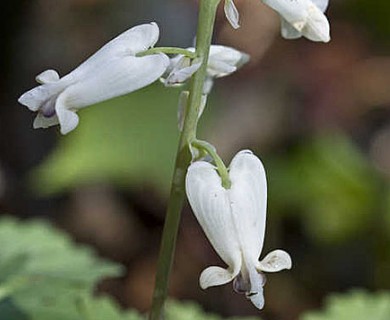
(191, 311)
(328, 181)
(129, 140)
(40, 267)
(356, 305)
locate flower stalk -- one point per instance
(222, 170)
(168, 50)
(206, 19)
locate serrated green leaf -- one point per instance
(41, 267)
(356, 305)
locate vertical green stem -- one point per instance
(207, 11)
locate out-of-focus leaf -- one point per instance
(41, 268)
(191, 311)
(127, 140)
(330, 183)
(356, 305)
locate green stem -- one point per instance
(222, 170)
(168, 50)
(207, 12)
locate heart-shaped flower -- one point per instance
(112, 71)
(302, 18)
(234, 221)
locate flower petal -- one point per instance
(321, 4)
(47, 76)
(257, 281)
(232, 14)
(275, 261)
(115, 78)
(248, 202)
(288, 31)
(35, 98)
(211, 206)
(293, 11)
(41, 121)
(317, 26)
(225, 60)
(215, 276)
(182, 71)
(128, 43)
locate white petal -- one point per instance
(129, 43)
(305, 16)
(288, 31)
(35, 98)
(251, 282)
(275, 261)
(182, 109)
(225, 60)
(47, 76)
(293, 11)
(67, 118)
(248, 201)
(317, 26)
(215, 276)
(321, 4)
(182, 71)
(232, 14)
(115, 78)
(211, 206)
(257, 281)
(41, 121)
(208, 85)
(203, 102)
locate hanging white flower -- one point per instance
(234, 222)
(112, 71)
(222, 62)
(302, 18)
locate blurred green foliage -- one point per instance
(329, 182)
(42, 271)
(129, 140)
(192, 311)
(356, 305)
(44, 276)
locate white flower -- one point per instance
(302, 18)
(222, 62)
(234, 222)
(112, 71)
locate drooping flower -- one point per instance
(298, 18)
(114, 70)
(222, 62)
(302, 18)
(234, 221)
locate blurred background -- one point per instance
(317, 114)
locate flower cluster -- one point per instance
(232, 213)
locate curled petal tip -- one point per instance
(47, 76)
(215, 276)
(275, 261)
